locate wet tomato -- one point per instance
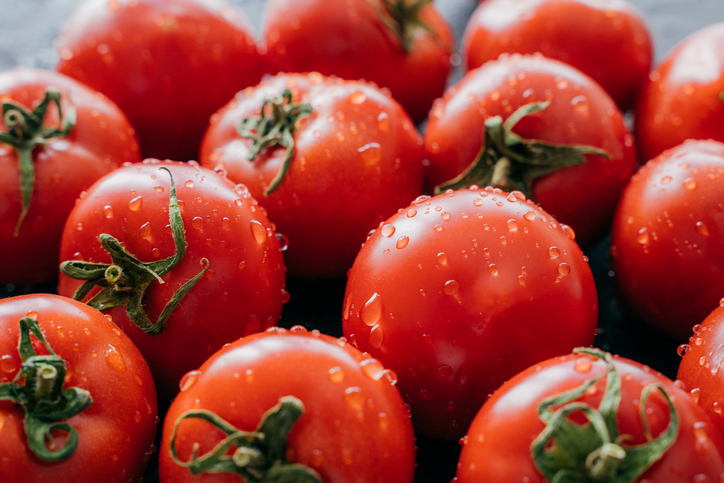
(459, 292)
(186, 276)
(321, 409)
(403, 45)
(348, 158)
(168, 64)
(58, 137)
(683, 98)
(667, 242)
(589, 416)
(77, 401)
(570, 152)
(607, 40)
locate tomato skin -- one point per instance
(357, 159)
(682, 99)
(101, 140)
(168, 64)
(497, 445)
(701, 363)
(241, 292)
(464, 293)
(246, 378)
(116, 433)
(666, 242)
(359, 45)
(582, 196)
(608, 41)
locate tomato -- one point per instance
(683, 97)
(168, 64)
(607, 40)
(231, 270)
(46, 167)
(354, 159)
(107, 403)
(667, 243)
(399, 44)
(350, 423)
(459, 292)
(579, 113)
(683, 444)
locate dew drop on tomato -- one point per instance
(114, 359)
(258, 231)
(354, 398)
(335, 374)
(135, 203)
(8, 363)
(372, 368)
(372, 310)
(376, 337)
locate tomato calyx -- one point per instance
(42, 398)
(403, 17)
(259, 456)
(510, 162)
(275, 127)
(594, 452)
(125, 281)
(26, 131)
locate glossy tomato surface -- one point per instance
(354, 429)
(116, 433)
(101, 140)
(497, 445)
(683, 97)
(355, 40)
(583, 196)
(168, 64)
(357, 159)
(700, 368)
(241, 292)
(667, 247)
(459, 292)
(606, 39)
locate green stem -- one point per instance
(403, 18)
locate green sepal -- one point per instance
(402, 17)
(125, 281)
(260, 456)
(510, 162)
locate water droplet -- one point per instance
(583, 365)
(717, 408)
(317, 458)
(241, 265)
(137, 417)
(138, 380)
(145, 230)
(529, 215)
(445, 216)
(357, 98)
(702, 229)
(372, 368)
(335, 374)
(108, 211)
(382, 421)
(8, 363)
(451, 287)
(114, 359)
(135, 203)
(189, 184)
(666, 180)
(376, 337)
(353, 397)
(411, 213)
(564, 269)
(683, 349)
(258, 231)
(554, 252)
(443, 372)
(371, 312)
(383, 122)
(702, 360)
(493, 269)
(695, 393)
(442, 258)
(197, 222)
(438, 228)
(402, 242)
(158, 189)
(512, 225)
(721, 302)
(370, 153)
(249, 373)
(643, 236)
(689, 184)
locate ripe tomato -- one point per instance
(168, 64)
(459, 292)
(667, 243)
(679, 449)
(607, 40)
(683, 97)
(107, 403)
(399, 44)
(353, 426)
(42, 179)
(355, 159)
(579, 113)
(230, 245)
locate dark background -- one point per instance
(29, 27)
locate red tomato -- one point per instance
(92, 138)
(459, 292)
(667, 243)
(607, 40)
(354, 426)
(95, 360)
(683, 97)
(240, 292)
(399, 44)
(580, 113)
(356, 158)
(168, 64)
(498, 445)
